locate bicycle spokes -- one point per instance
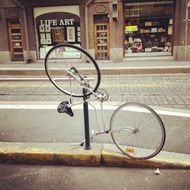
(137, 130)
(70, 69)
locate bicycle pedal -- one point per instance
(92, 132)
(63, 107)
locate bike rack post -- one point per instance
(86, 120)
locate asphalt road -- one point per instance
(29, 177)
(47, 125)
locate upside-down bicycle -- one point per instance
(136, 129)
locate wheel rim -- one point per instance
(58, 63)
(137, 131)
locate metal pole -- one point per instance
(86, 121)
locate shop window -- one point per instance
(56, 28)
(148, 27)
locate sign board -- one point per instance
(11, 13)
(132, 28)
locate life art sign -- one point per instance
(56, 22)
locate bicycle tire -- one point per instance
(61, 59)
(137, 130)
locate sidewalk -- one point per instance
(157, 66)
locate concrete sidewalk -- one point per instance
(157, 66)
(99, 155)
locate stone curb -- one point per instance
(49, 153)
(31, 72)
(99, 155)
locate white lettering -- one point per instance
(61, 23)
(66, 22)
(55, 22)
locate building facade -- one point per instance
(107, 29)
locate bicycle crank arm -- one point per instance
(78, 144)
(82, 143)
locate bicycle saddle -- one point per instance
(63, 107)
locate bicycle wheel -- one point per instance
(70, 69)
(137, 130)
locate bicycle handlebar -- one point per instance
(99, 94)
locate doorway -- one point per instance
(102, 41)
(15, 39)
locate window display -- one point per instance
(56, 28)
(148, 31)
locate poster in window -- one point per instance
(43, 41)
(42, 36)
(148, 23)
(153, 30)
(42, 28)
(48, 38)
(48, 41)
(170, 31)
(70, 34)
(48, 28)
(42, 53)
(58, 35)
(48, 35)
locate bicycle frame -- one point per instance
(100, 125)
(102, 128)
(131, 125)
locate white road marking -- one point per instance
(169, 112)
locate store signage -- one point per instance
(132, 28)
(66, 53)
(55, 22)
(12, 13)
(60, 53)
(101, 9)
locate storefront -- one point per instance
(148, 28)
(108, 29)
(56, 25)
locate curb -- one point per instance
(49, 153)
(39, 72)
(99, 155)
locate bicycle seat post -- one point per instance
(86, 120)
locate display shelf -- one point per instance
(150, 35)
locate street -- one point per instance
(34, 124)
(37, 120)
(28, 114)
(29, 177)
(166, 90)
